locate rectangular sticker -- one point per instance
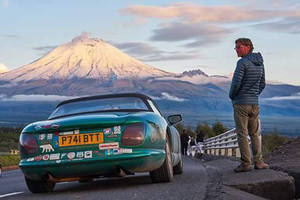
(113, 145)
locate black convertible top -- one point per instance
(139, 95)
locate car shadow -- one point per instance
(105, 184)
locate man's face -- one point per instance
(241, 49)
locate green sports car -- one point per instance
(100, 136)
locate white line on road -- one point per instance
(10, 194)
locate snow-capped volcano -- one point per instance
(87, 58)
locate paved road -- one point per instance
(197, 182)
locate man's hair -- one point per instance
(245, 42)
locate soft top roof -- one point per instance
(139, 95)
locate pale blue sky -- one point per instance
(170, 35)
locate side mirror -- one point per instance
(173, 119)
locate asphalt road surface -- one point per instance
(196, 182)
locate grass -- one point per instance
(9, 160)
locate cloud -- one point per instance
(167, 96)
(3, 68)
(4, 3)
(281, 98)
(291, 26)
(178, 56)
(138, 48)
(44, 48)
(146, 52)
(10, 36)
(201, 34)
(83, 36)
(22, 97)
(193, 13)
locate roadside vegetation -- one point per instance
(9, 138)
(9, 160)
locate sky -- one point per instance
(175, 36)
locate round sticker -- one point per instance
(71, 155)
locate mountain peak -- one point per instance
(84, 58)
(193, 72)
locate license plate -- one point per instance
(80, 139)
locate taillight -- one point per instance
(28, 144)
(133, 134)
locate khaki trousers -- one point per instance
(246, 122)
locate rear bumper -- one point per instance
(139, 161)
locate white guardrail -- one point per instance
(225, 144)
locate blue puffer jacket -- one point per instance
(248, 80)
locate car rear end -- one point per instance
(81, 146)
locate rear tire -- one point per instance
(165, 172)
(41, 186)
(178, 169)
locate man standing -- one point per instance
(247, 84)
(184, 138)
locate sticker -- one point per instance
(113, 145)
(63, 155)
(38, 158)
(121, 150)
(112, 136)
(30, 159)
(42, 136)
(71, 155)
(115, 151)
(108, 152)
(46, 148)
(66, 133)
(88, 154)
(49, 137)
(46, 157)
(46, 126)
(55, 126)
(107, 131)
(117, 129)
(76, 131)
(80, 154)
(56, 141)
(54, 156)
(45, 142)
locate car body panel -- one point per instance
(97, 159)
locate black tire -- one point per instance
(41, 186)
(165, 172)
(178, 169)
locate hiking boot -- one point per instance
(261, 165)
(243, 168)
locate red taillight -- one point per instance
(133, 134)
(28, 144)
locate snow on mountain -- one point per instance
(84, 57)
(197, 77)
(3, 68)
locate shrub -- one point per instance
(9, 160)
(272, 141)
